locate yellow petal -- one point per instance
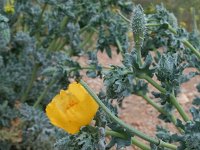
(77, 91)
(72, 108)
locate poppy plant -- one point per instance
(72, 108)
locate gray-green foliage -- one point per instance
(35, 62)
(36, 44)
(138, 25)
(37, 128)
(88, 138)
(32, 129)
(167, 65)
(4, 31)
(187, 140)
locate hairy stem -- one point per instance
(139, 55)
(30, 85)
(173, 99)
(123, 124)
(39, 22)
(119, 46)
(155, 105)
(162, 111)
(191, 47)
(123, 17)
(139, 144)
(134, 141)
(53, 45)
(152, 82)
(87, 39)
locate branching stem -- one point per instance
(184, 41)
(162, 111)
(30, 85)
(123, 124)
(173, 99)
(134, 141)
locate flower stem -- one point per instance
(40, 20)
(30, 85)
(126, 19)
(139, 144)
(155, 105)
(139, 55)
(119, 46)
(179, 108)
(134, 141)
(123, 124)
(191, 47)
(87, 39)
(53, 45)
(41, 14)
(152, 82)
(173, 99)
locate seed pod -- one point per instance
(4, 31)
(138, 23)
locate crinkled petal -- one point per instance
(72, 108)
(77, 91)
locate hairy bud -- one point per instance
(138, 25)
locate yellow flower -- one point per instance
(9, 7)
(72, 108)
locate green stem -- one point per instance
(191, 47)
(119, 46)
(40, 21)
(139, 144)
(123, 124)
(185, 42)
(44, 93)
(162, 111)
(134, 141)
(179, 108)
(57, 43)
(139, 55)
(83, 29)
(87, 39)
(63, 23)
(51, 45)
(171, 29)
(54, 43)
(41, 14)
(152, 24)
(152, 82)
(173, 99)
(30, 85)
(155, 105)
(62, 44)
(126, 19)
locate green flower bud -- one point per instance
(138, 25)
